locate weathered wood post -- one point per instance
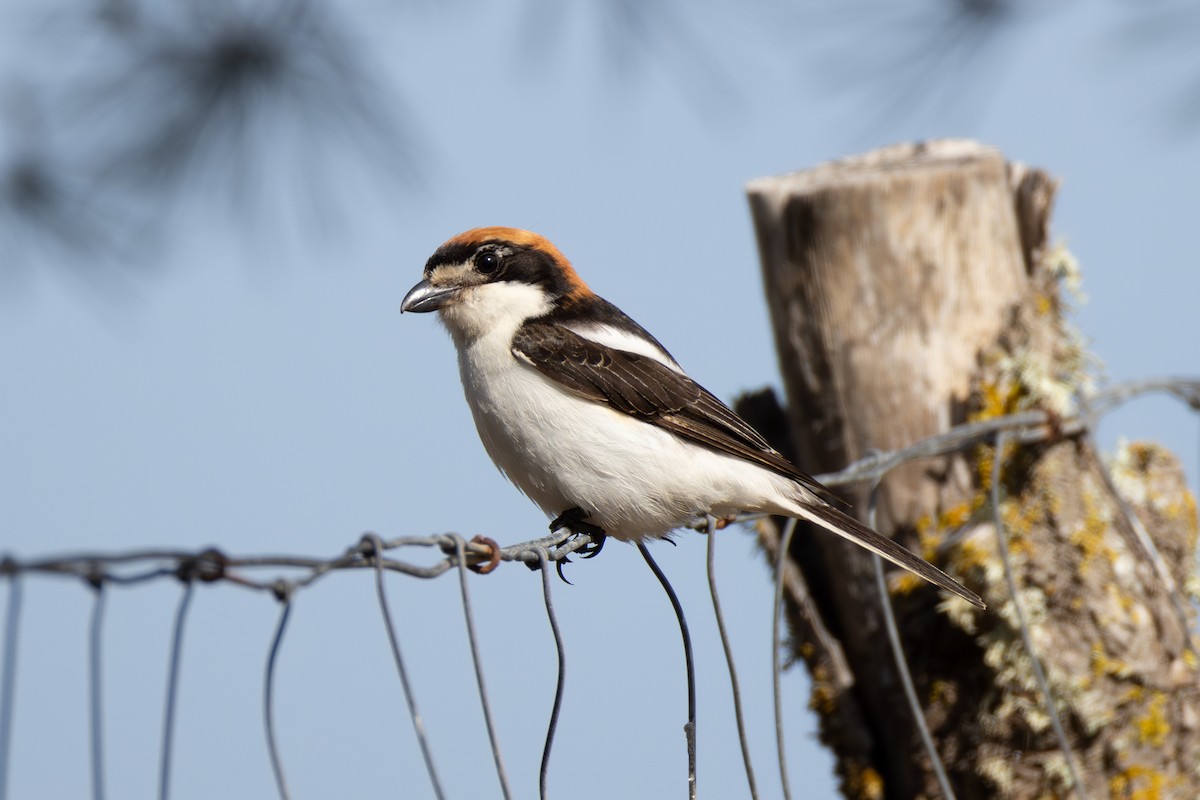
(912, 289)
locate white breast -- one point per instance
(563, 451)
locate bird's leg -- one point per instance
(573, 520)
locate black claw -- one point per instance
(573, 520)
(558, 567)
(592, 550)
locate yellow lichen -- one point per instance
(942, 692)
(1102, 665)
(1125, 601)
(924, 523)
(823, 696)
(904, 583)
(954, 516)
(997, 399)
(1137, 783)
(971, 555)
(1153, 727)
(1019, 521)
(1089, 537)
(1189, 513)
(865, 784)
(929, 530)
(984, 459)
(1142, 454)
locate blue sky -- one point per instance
(253, 385)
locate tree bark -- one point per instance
(910, 290)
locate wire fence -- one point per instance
(100, 570)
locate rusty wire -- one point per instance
(136, 567)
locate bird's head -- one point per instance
(494, 277)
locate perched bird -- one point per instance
(593, 419)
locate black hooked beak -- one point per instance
(427, 297)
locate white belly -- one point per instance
(632, 478)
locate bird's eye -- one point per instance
(487, 262)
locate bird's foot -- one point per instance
(573, 520)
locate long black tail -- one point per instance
(849, 528)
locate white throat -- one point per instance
(493, 311)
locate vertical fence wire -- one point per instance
(269, 695)
(728, 647)
(893, 634)
(173, 666)
(8, 678)
(96, 688)
(1133, 524)
(560, 683)
(1002, 439)
(781, 557)
(418, 724)
(689, 729)
(483, 695)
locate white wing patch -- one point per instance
(618, 339)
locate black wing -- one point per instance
(649, 390)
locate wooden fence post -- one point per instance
(911, 289)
